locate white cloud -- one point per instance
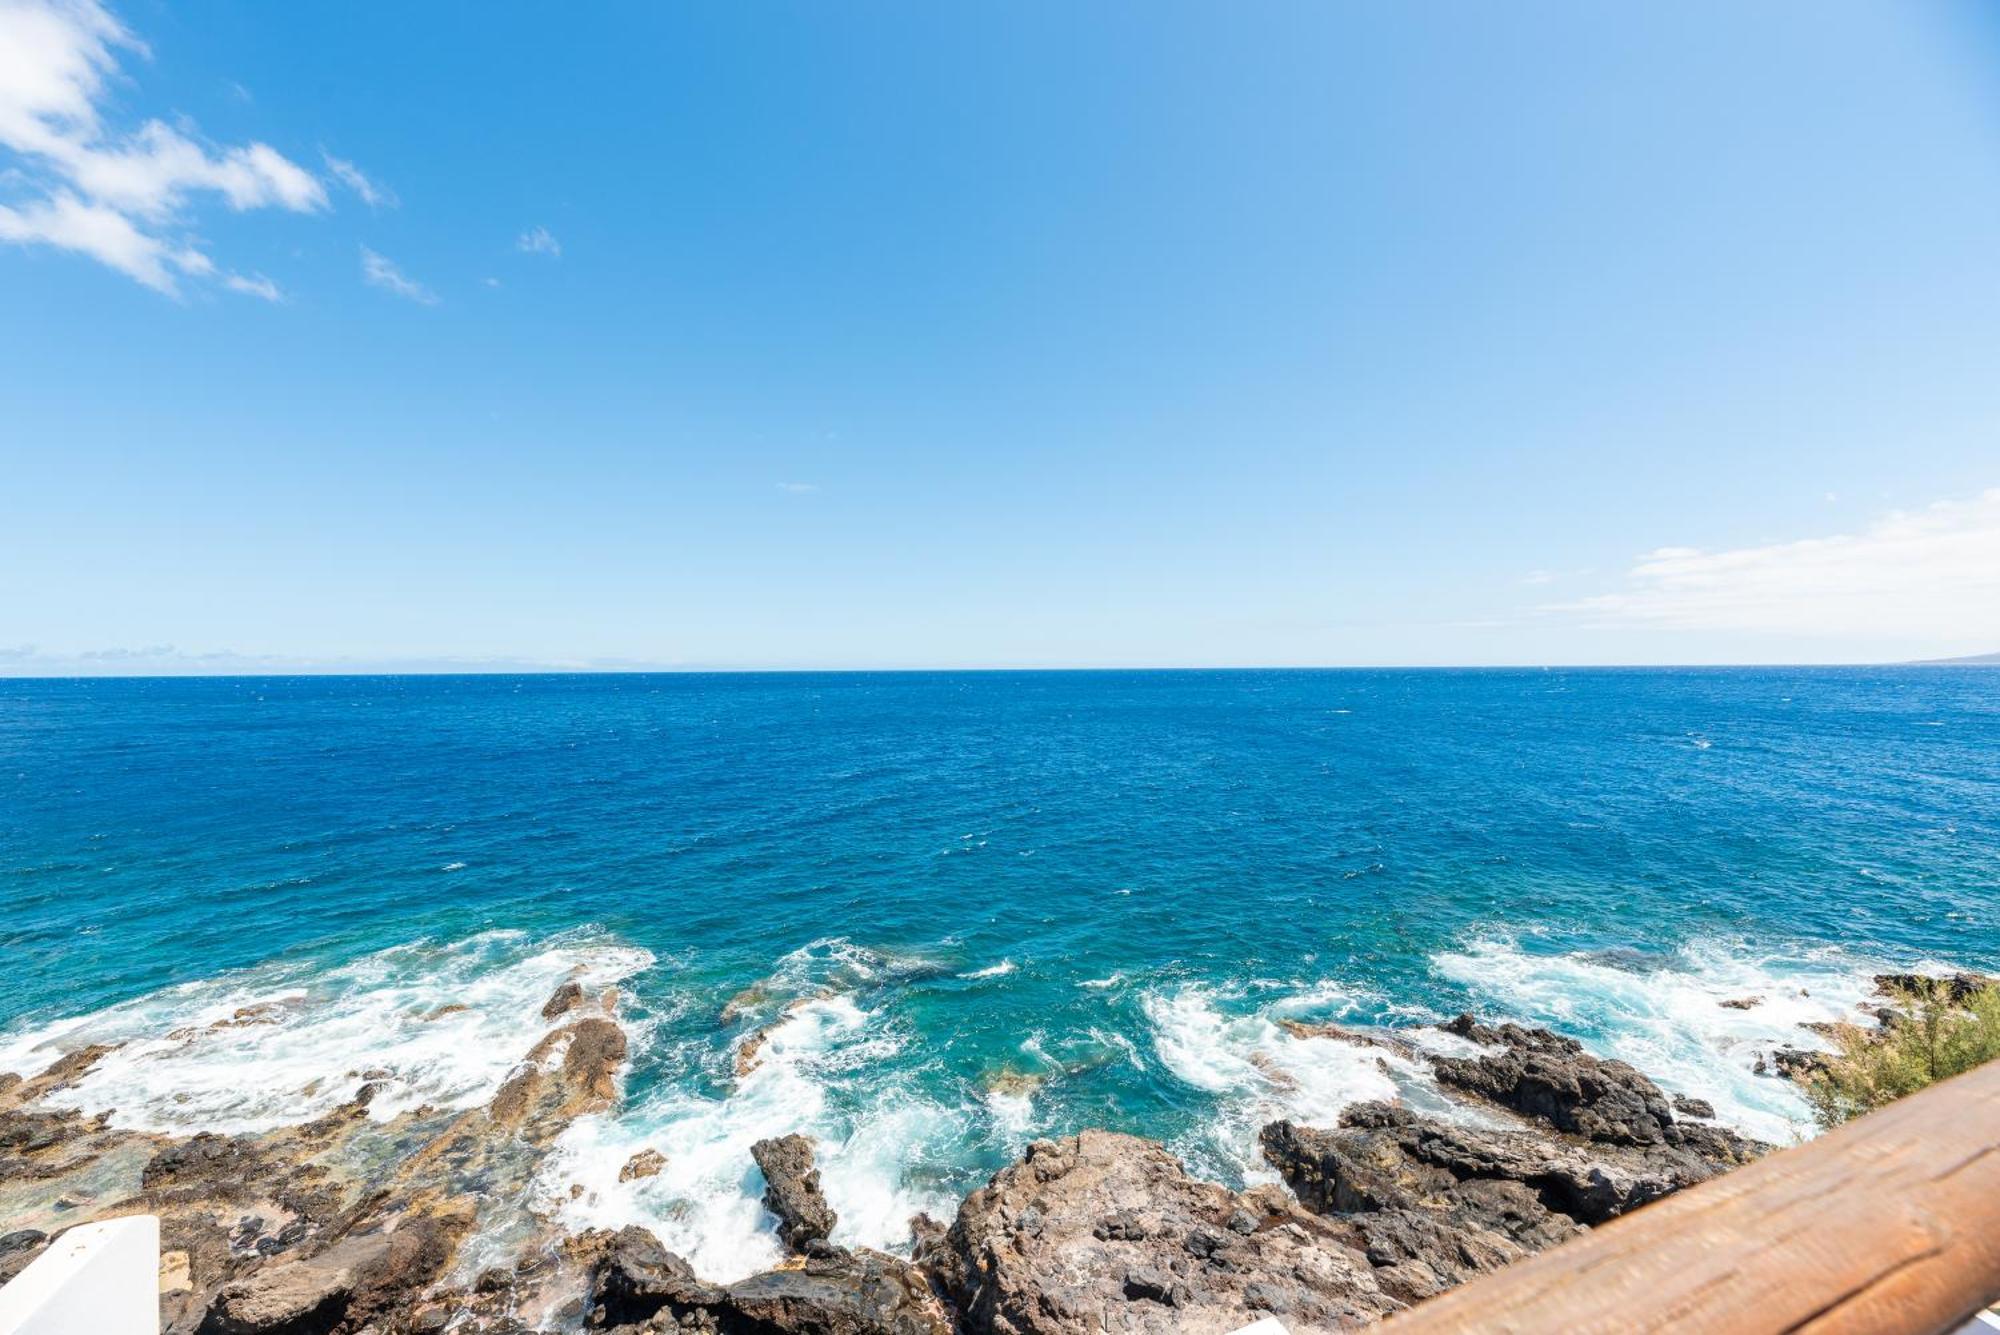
(116, 197)
(798, 488)
(253, 285)
(372, 193)
(104, 234)
(539, 241)
(1925, 578)
(379, 271)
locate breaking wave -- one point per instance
(282, 1043)
(1664, 1013)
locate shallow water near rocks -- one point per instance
(965, 909)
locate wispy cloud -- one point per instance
(119, 197)
(380, 271)
(539, 241)
(798, 488)
(253, 285)
(1928, 577)
(370, 192)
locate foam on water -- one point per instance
(284, 1043)
(828, 1069)
(1000, 970)
(1665, 1016)
(1257, 1071)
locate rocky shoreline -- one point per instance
(424, 1223)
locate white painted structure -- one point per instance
(96, 1279)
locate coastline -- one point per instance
(400, 1217)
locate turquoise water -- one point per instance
(997, 905)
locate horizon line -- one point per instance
(1977, 661)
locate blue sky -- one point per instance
(991, 335)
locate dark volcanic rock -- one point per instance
(856, 1293)
(1951, 989)
(640, 1285)
(791, 1192)
(638, 1278)
(1793, 1063)
(563, 1000)
(1550, 1077)
(18, 1249)
(1101, 1232)
(1436, 1203)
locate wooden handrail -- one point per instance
(1889, 1225)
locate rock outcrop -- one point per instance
(1101, 1231)
(642, 1287)
(791, 1192)
(335, 1226)
(1952, 989)
(1439, 1202)
(358, 1225)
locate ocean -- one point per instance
(968, 909)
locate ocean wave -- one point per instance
(283, 1043)
(1664, 1014)
(828, 965)
(1258, 1070)
(829, 1070)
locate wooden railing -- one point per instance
(1889, 1225)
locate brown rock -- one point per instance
(791, 1192)
(1949, 988)
(563, 1000)
(646, 1163)
(1101, 1231)
(278, 1299)
(1552, 1078)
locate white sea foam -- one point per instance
(1114, 1040)
(1668, 1020)
(1259, 1071)
(1013, 1112)
(1000, 970)
(284, 1043)
(825, 1070)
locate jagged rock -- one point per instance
(1691, 1107)
(1793, 1063)
(791, 1192)
(1436, 1203)
(1550, 1077)
(1951, 988)
(563, 1000)
(280, 1299)
(18, 1249)
(1740, 1003)
(636, 1278)
(855, 1293)
(1101, 1231)
(646, 1163)
(640, 1285)
(219, 1165)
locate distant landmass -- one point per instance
(1976, 660)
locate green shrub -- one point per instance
(1933, 1039)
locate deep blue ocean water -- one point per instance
(996, 904)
